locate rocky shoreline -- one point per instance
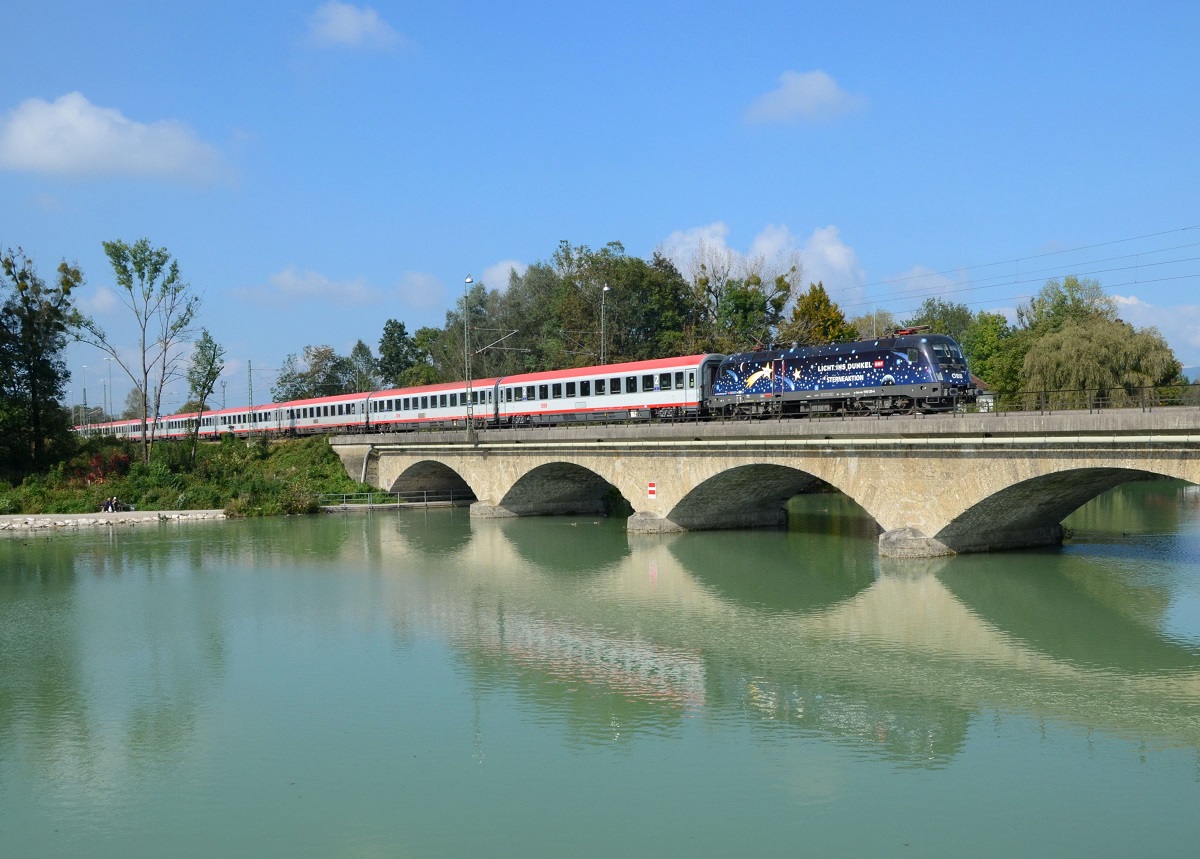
(49, 521)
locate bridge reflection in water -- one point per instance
(803, 629)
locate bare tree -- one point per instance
(163, 306)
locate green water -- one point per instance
(416, 683)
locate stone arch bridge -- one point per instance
(935, 485)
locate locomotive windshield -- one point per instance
(948, 355)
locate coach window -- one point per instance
(600, 387)
(691, 378)
(585, 388)
(530, 392)
(664, 381)
(679, 381)
(424, 403)
(648, 382)
(339, 408)
(543, 392)
(913, 356)
(556, 390)
(614, 385)
(454, 400)
(508, 395)
(570, 392)
(442, 400)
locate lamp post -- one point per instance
(603, 338)
(467, 354)
(108, 410)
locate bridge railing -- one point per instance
(1143, 398)
(394, 499)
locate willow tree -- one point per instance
(1097, 361)
(164, 307)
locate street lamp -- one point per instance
(108, 396)
(467, 353)
(603, 293)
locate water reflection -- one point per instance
(793, 633)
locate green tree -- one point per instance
(36, 320)
(207, 364)
(1058, 303)
(364, 368)
(817, 320)
(164, 308)
(422, 371)
(397, 352)
(135, 405)
(942, 317)
(984, 343)
(322, 372)
(877, 323)
(1098, 357)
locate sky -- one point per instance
(317, 168)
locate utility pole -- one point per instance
(467, 357)
(250, 394)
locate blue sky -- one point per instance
(317, 168)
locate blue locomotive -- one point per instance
(904, 373)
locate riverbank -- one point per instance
(259, 478)
(52, 521)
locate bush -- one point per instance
(255, 479)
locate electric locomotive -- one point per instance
(904, 373)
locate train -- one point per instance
(904, 373)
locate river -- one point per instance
(415, 683)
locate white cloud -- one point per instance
(344, 25)
(829, 260)
(496, 276)
(72, 136)
(774, 248)
(421, 291)
(99, 303)
(682, 245)
(292, 285)
(812, 96)
(1179, 324)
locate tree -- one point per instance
(422, 371)
(397, 352)
(322, 372)
(135, 405)
(1072, 299)
(817, 320)
(364, 368)
(942, 317)
(35, 322)
(984, 343)
(207, 364)
(163, 307)
(877, 323)
(1098, 357)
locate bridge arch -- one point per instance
(430, 475)
(742, 496)
(558, 488)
